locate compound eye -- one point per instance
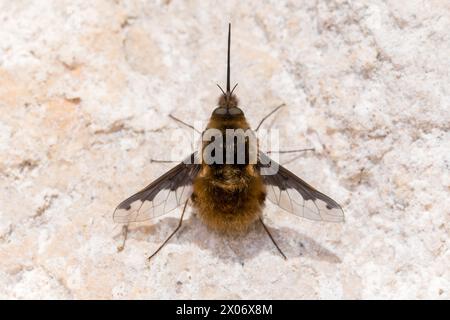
(235, 111)
(220, 111)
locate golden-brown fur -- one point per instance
(228, 197)
(230, 200)
(228, 101)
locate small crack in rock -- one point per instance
(48, 201)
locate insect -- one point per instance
(228, 196)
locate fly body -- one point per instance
(229, 182)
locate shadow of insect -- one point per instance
(233, 248)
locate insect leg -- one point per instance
(292, 151)
(291, 160)
(163, 161)
(125, 234)
(273, 240)
(171, 235)
(268, 115)
(182, 122)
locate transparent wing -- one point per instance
(160, 197)
(294, 195)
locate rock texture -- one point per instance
(86, 88)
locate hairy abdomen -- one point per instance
(228, 199)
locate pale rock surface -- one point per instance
(86, 88)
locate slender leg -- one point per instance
(171, 235)
(163, 161)
(173, 161)
(268, 115)
(182, 122)
(292, 151)
(271, 238)
(187, 125)
(125, 234)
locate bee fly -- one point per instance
(228, 196)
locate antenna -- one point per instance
(228, 61)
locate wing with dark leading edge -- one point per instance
(162, 196)
(294, 195)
